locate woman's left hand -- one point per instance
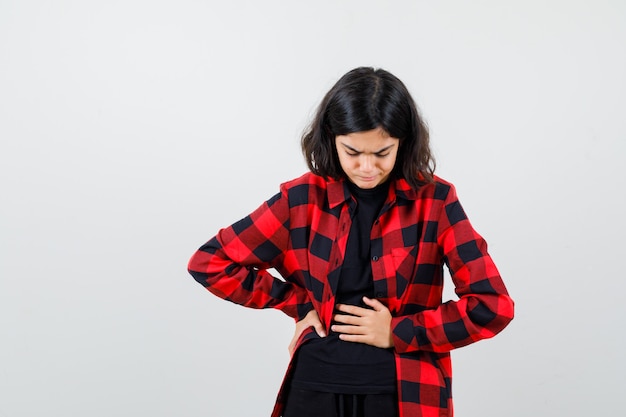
(363, 325)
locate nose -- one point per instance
(366, 163)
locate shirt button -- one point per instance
(374, 258)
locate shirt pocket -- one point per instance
(404, 260)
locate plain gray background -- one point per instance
(131, 131)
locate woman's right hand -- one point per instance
(310, 320)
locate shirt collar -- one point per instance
(338, 191)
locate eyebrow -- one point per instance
(386, 148)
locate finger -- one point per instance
(347, 329)
(354, 338)
(346, 319)
(319, 329)
(374, 303)
(314, 321)
(354, 310)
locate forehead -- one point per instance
(369, 140)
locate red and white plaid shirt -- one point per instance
(302, 232)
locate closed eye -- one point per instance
(378, 155)
(381, 153)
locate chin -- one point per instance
(367, 184)
(374, 182)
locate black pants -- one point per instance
(303, 403)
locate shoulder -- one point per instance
(443, 189)
(438, 189)
(307, 179)
(308, 189)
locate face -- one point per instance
(368, 157)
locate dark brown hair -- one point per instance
(365, 99)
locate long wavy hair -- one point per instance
(364, 99)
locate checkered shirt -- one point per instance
(302, 232)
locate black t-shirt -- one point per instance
(329, 364)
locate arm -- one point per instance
(484, 307)
(233, 264)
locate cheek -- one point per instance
(388, 165)
(393, 162)
(345, 164)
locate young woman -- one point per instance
(360, 242)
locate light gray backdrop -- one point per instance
(131, 131)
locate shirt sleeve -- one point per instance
(233, 264)
(484, 306)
